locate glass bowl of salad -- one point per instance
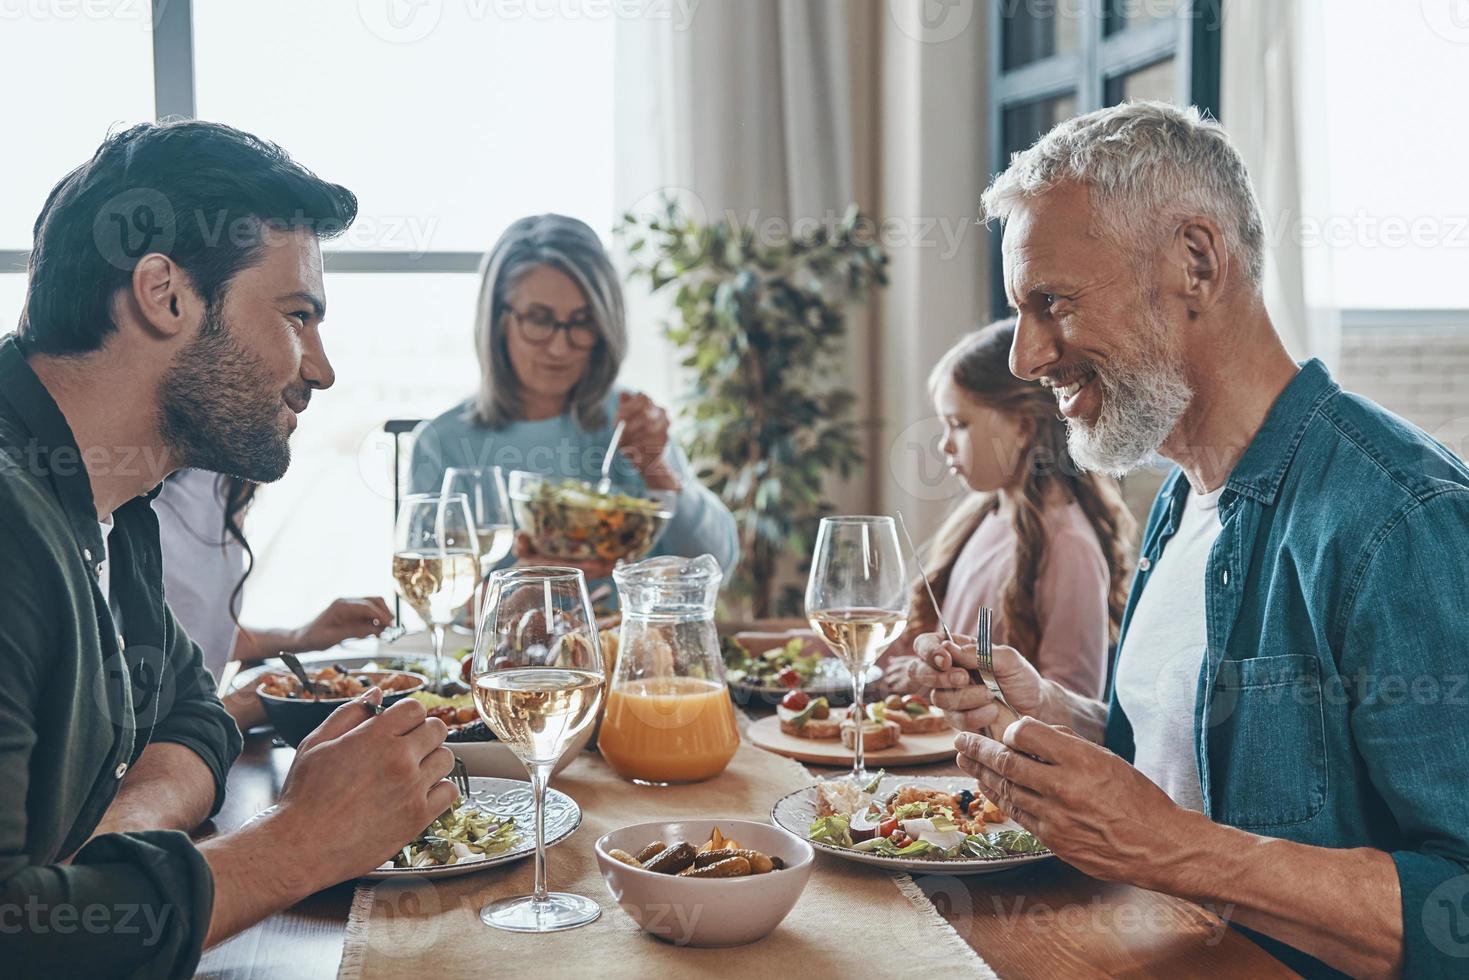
(571, 519)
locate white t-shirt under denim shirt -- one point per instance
(1158, 668)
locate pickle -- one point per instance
(759, 863)
(672, 859)
(729, 867)
(651, 851)
(618, 854)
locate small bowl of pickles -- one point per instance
(705, 882)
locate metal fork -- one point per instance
(984, 653)
(460, 775)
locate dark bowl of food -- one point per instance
(573, 520)
(296, 713)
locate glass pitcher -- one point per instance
(669, 718)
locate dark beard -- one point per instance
(219, 410)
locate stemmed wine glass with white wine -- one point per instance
(489, 508)
(857, 599)
(435, 562)
(538, 684)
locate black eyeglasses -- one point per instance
(538, 327)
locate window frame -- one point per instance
(1191, 38)
(174, 98)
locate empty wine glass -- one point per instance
(538, 683)
(857, 600)
(435, 562)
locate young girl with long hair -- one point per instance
(1036, 539)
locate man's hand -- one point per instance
(360, 788)
(645, 438)
(344, 619)
(358, 764)
(1094, 810)
(944, 667)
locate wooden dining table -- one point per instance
(1043, 920)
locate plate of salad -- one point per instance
(922, 825)
(495, 826)
(762, 671)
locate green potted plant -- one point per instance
(760, 324)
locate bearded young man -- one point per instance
(1287, 735)
(172, 319)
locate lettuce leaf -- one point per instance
(834, 830)
(1016, 841)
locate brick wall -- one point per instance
(1413, 364)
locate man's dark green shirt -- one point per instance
(78, 705)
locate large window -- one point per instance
(449, 121)
(1053, 60)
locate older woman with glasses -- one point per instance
(551, 335)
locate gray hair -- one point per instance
(1149, 166)
(572, 247)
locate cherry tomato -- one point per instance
(790, 677)
(796, 701)
(887, 828)
(464, 669)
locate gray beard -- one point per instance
(1141, 405)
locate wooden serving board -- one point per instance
(911, 750)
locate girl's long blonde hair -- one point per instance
(979, 366)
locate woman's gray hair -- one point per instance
(1149, 165)
(569, 246)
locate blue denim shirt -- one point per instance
(1333, 701)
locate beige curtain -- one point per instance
(744, 112)
(792, 108)
(1272, 101)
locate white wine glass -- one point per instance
(489, 508)
(538, 684)
(857, 600)
(435, 562)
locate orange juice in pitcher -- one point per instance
(669, 718)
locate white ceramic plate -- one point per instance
(795, 812)
(502, 798)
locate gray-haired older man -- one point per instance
(1287, 732)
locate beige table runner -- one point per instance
(851, 919)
